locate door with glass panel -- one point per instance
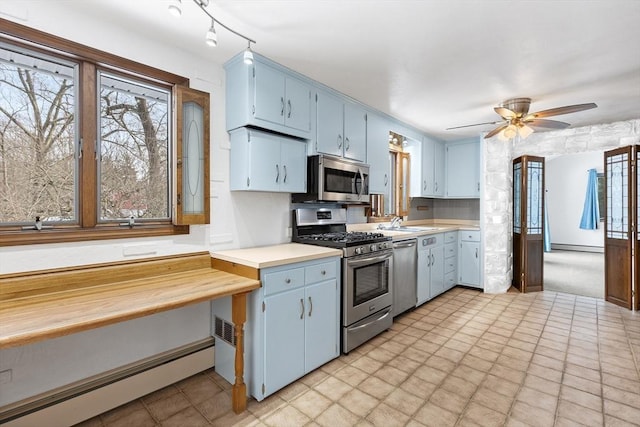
(620, 232)
(528, 223)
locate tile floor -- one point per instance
(465, 358)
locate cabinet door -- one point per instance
(355, 133)
(469, 263)
(437, 271)
(329, 137)
(321, 326)
(293, 164)
(424, 280)
(269, 102)
(378, 154)
(463, 170)
(297, 105)
(427, 185)
(265, 170)
(438, 169)
(284, 319)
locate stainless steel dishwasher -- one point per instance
(404, 275)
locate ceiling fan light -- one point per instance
(510, 131)
(524, 131)
(175, 8)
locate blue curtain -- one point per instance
(546, 237)
(590, 212)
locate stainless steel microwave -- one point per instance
(334, 179)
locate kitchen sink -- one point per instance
(408, 229)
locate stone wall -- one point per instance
(496, 211)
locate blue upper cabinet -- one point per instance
(463, 168)
(341, 127)
(268, 96)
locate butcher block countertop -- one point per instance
(39, 305)
(272, 256)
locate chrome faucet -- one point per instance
(395, 222)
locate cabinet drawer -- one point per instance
(320, 272)
(450, 280)
(450, 265)
(450, 236)
(470, 235)
(450, 250)
(283, 280)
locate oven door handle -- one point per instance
(368, 260)
(373, 321)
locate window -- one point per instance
(396, 201)
(87, 148)
(38, 130)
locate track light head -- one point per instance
(248, 55)
(175, 8)
(212, 38)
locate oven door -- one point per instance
(340, 180)
(366, 285)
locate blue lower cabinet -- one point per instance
(293, 326)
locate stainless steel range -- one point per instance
(366, 271)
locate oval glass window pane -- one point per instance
(193, 158)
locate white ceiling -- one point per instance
(431, 63)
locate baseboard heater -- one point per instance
(92, 396)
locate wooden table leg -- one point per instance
(239, 316)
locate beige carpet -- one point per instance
(572, 272)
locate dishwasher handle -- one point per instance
(405, 244)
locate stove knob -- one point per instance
(373, 248)
(358, 251)
(382, 246)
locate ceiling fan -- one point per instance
(518, 120)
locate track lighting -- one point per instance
(248, 55)
(175, 8)
(211, 38)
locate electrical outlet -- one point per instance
(6, 376)
(288, 232)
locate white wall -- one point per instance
(566, 180)
(237, 220)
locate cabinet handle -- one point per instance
(476, 252)
(287, 280)
(436, 190)
(301, 308)
(284, 181)
(386, 179)
(323, 272)
(428, 260)
(289, 105)
(346, 144)
(281, 106)
(277, 173)
(433, 259)
(478, 186)
(424, 185)
(310, 306)
(339, 141)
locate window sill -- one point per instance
(64, 235)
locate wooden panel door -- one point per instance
(619, 231)
(528, 223)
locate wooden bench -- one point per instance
(39, 305)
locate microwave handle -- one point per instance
(361, 183)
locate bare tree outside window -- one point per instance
(37, 141)
(134, 166)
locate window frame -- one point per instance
(89, 61)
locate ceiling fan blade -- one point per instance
(562, 110)
(496, 130)
(505, 113)
(476, 124)
(551, 124)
